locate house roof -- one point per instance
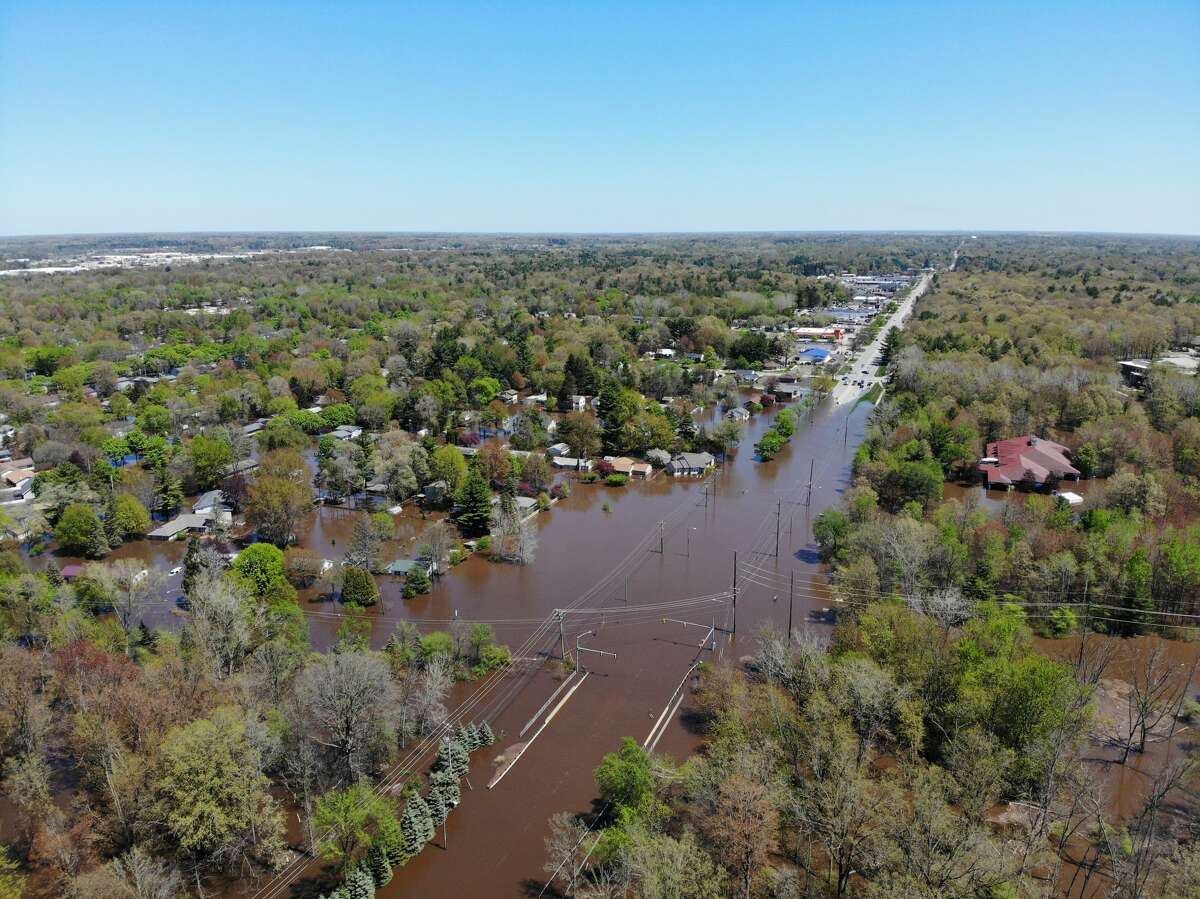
(1028, 458)
(179, 525)
(693, 460)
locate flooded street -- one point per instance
(608, 564)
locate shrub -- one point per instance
(589, 477)
(617, 480)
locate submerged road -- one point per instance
(621, 562)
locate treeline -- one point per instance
(873, 767)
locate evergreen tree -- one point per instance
(468, 735)
(378, 864)
(360, 884)
(485, 731)
(445, 783)
(475, 505)
(168, 492)
(438, 810)
(460, 760)
(608, 408)
(416, 825)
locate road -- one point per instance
(863, 366)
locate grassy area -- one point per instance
(871, 396)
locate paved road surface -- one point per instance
(864, 361)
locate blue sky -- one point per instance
(607, 116)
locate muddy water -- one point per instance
(495, 838)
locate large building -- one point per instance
(1028, 461)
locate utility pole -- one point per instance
(562, 639)
(811, 463)
(735, 591)
(1087, 617)
(689, 542)
(626, 589)
(661, 526)
(791, 603)
(580, 650)
(778, 517)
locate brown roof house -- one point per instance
(1026, 461)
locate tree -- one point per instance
(579, 431)
(475, 505)
(214, 801)
(349, 821)
(168, 492)
(416, 824)
(365, 541)
(219, 623)
(260, 566)
(81, 532)
(280, 494)
(359, 587)
(378, 864)
(744, 827)
(416, 582)
(130, 517)
(624, 776)
(209, 457)
(127, 585)
(448, 464)
(348, 703)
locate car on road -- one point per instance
(178, 569)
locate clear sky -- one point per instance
(599, 116)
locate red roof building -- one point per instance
(1025, 460)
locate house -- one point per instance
(558, 449)
(665, 353)
(738, 413)
(535, 399)
(786, 392)
(346, 432)
(244, 467)
(181, 524)
(1027, 460)
(572, 462)
(19, 491)
(254, 427)
(508, 397)
(436, 492)
(577, 403)
(208, 503)
(401, 567)
(630, 467)
(70, 572)
(746, 375)
(690, 464)
(1135, 371)
(695, 357)
(1071, 499)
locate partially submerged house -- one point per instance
(1028, 461)
(191, 523)
(686, 464)
(632, 468)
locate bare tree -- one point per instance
(567, 848)
(128, 584)
(439, 541)
(347, 703)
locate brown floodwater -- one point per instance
(603, 565)
(495, 837)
